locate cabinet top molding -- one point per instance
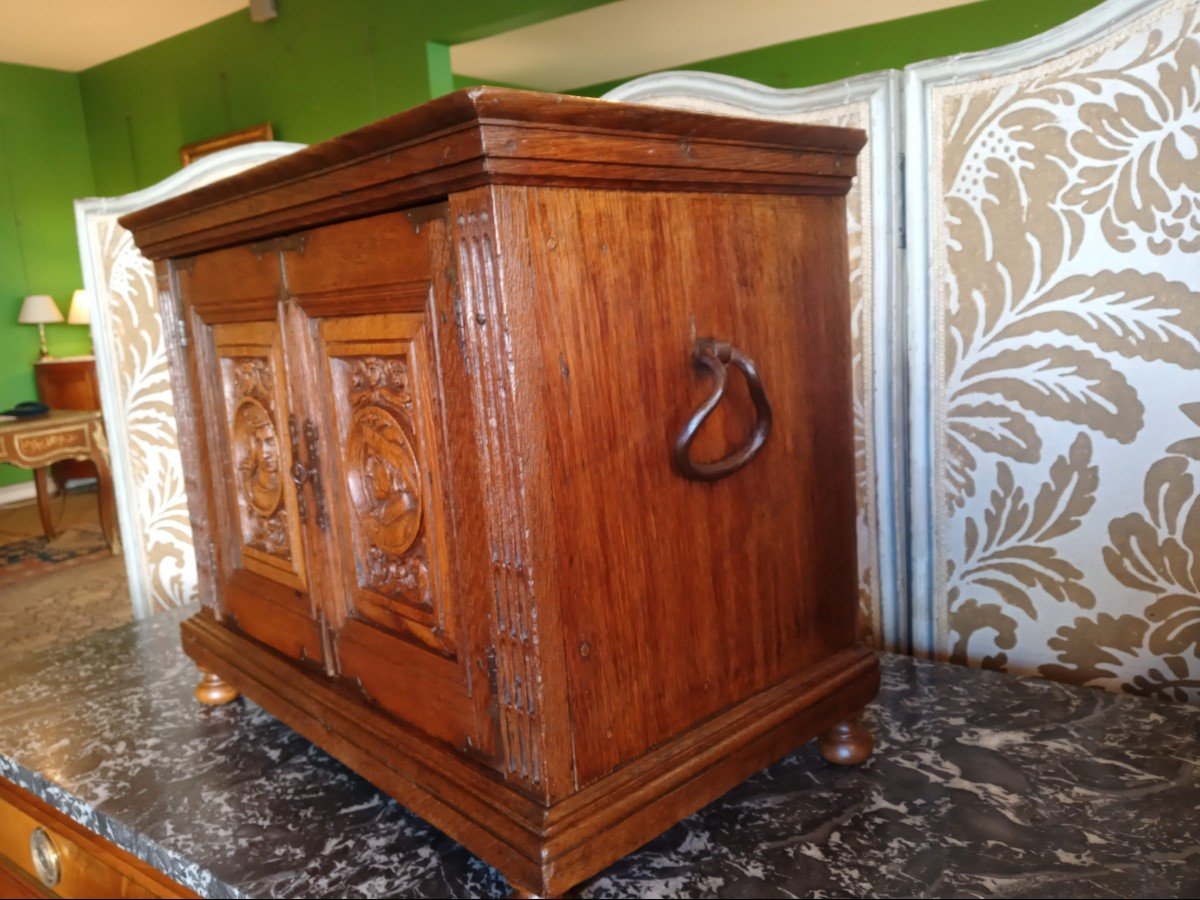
(486, 136)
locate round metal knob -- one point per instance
(45, 857)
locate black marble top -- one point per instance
(981, 784)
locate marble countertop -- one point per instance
(981, 784)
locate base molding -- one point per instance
(21, 492)
(542, 849)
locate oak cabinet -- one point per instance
(520, 456)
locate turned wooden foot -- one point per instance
(847, 743)
(212, 691)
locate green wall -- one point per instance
(318, 70)
(322, 68)
(888, 45)
(44, 166)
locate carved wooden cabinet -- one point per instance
(521, 464)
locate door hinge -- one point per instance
(903, 198)
(181, 331)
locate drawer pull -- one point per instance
(714, 356)
(45, 857)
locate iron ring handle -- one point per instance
(714, 356)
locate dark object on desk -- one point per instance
(68, 383)
(26, 409)
(436, 374)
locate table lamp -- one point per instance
(80, 312)
(39, 309)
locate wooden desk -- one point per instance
(68, 382)
(59, 435)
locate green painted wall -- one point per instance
(318, 70)
(322, 68)
(44, 166)
(888, 45)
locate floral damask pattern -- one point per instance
(1066, 243)
(145, 404)
(1156, 552)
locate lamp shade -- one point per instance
(81, 308)
(39, 309)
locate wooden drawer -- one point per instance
(88, 865)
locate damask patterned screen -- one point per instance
(1057, 386)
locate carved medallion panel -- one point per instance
(255, 446)
(258, 454)
(386, 446)
(384, 477)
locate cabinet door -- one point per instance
(241, 372)
(364, 288)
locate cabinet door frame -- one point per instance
(272, 603)
(371, 290)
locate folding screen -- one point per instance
(1054, 271)
(135, 387)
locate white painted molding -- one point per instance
(205, 170)
(881, 91)
(21, 492)
(919, 81)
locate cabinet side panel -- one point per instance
(679, 597)
(244, 402)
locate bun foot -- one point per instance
(847, 743)
(212, 691)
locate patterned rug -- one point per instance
(89, 594)
(36, 556)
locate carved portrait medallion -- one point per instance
(384, 479)
(257, 452)
(258, 465)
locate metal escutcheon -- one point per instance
(45, 857)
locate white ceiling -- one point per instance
(630, 37)
(76, 34)
(615, 40)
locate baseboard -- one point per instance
(21, 492)
(25, 491)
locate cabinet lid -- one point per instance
(500, 136)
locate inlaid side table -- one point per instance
(37, 443)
